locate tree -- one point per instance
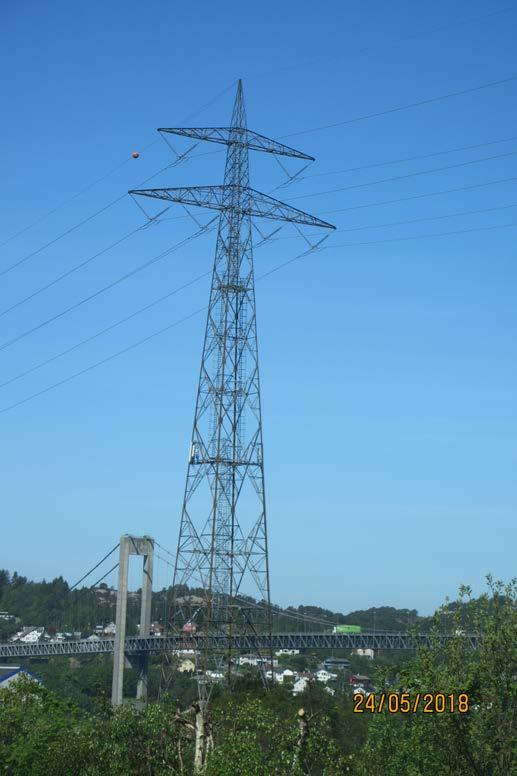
(481, 742)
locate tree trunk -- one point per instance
(199, 752)
(303, 727)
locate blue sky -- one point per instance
(388, 369)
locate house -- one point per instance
(93, 637)
(281, 652)
(281, 676)
(364, 652)
(155, 628)
(363, 690)
(7, 617)
(362, 683)
(359, 679)
(109, 629)
(62, 636)
(10, 674)
(103, 591)
(324, 676)
(300, 685)
(187, 666)
(255, 660)
(30, 635)
(336, 664)
(215, 676)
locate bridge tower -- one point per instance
(132, 545)
(222, 547)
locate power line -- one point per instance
(385, 43)
(60, 236)
(170, 326)
(428, 218)
(71, 271)
(113, 326)
(103, 361)
(407, 106)
(407, 159)
(422, 236)
(406, 175)
(86, 220)
(72, 197)
(110, 172)
(420, 196)
(103, 331)
(108, 287)
(132, 346)
(293, 134)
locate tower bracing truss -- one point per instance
(222, 551)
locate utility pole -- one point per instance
(223, 546)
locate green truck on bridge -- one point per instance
(346, 629)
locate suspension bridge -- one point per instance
(320, 635)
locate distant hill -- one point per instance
(377, 617)
(53, 604)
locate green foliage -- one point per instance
(42, 734)
(481, 742)
(253, 740)
(257, 733)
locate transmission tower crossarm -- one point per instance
(237, 136)
(247, 201)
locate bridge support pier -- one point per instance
(132, 545)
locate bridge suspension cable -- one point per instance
(278, 610)
(96, 567)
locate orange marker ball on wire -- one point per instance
(135, 154)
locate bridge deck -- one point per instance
(134, 645)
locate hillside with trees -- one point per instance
(252, 732)
(57, 607)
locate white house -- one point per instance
(362, 691)
(109, 629)
(300, 685)
(364, 652)
(324, 676)
(30, 635)
(280, 652)
(280, 676)
(215, 676)
(254, 660)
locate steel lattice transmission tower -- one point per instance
(222, 546)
